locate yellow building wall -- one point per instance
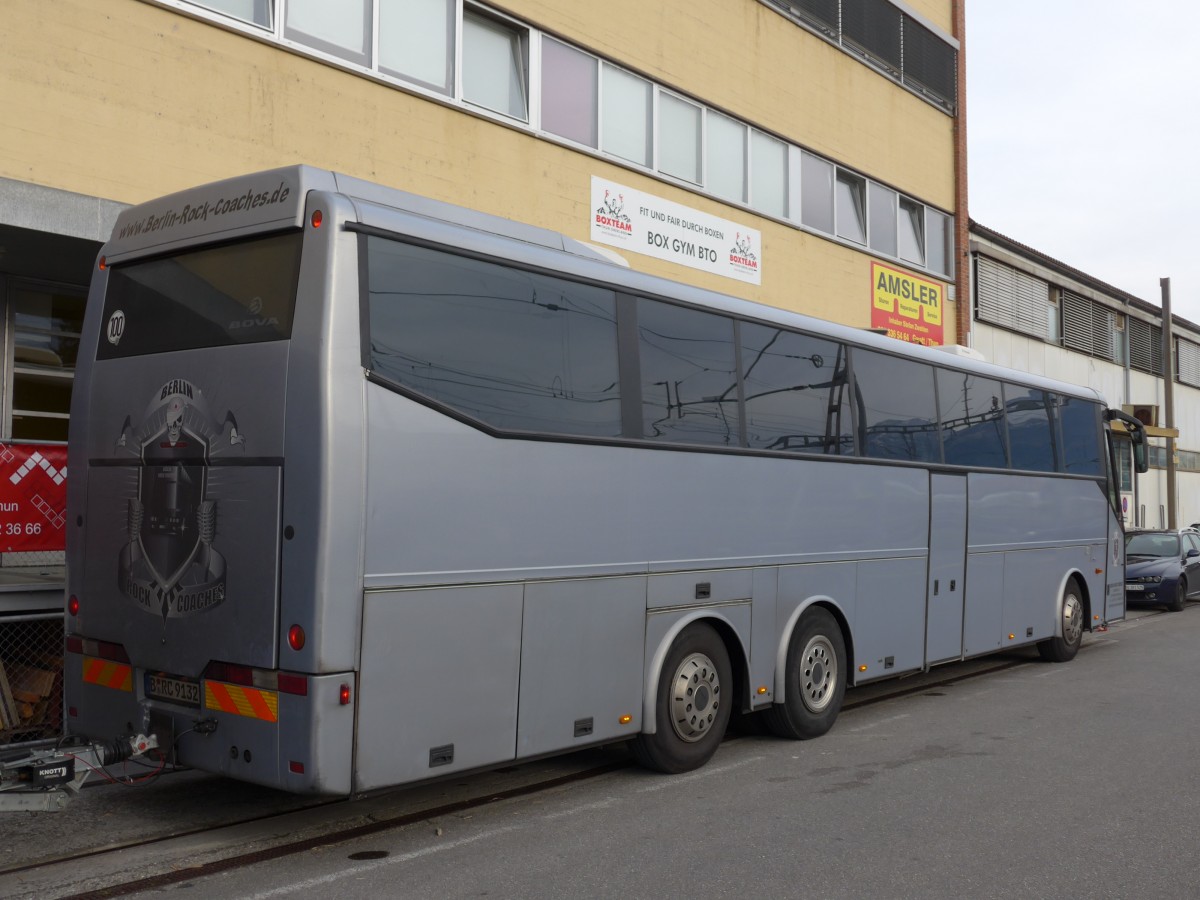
(126, 101)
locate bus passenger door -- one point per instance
(947, 555)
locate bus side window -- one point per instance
(689, 375)
(1081, 437)
(1031, 431)
(897, 408)
(514, 349)
(972, 420)
(796, 391)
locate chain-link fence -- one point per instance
(31, 673)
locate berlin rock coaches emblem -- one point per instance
(170, 567)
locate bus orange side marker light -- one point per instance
(103, 263)
(862, 668)
(625, 719)
(762, 689)
(1099, 571)
(1012, 637)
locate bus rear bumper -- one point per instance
(302, 743)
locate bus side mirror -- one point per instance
(1140, 463)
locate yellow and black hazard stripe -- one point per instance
(107, 673)
(241, 701)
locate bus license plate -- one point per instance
(184, 691)
(1135, 587)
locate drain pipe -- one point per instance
(1168, 358)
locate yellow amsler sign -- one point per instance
(910, 308)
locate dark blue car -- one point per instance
(1162, 567)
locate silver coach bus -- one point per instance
(367, 489)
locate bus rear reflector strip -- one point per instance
(107, 673)
(241, 701)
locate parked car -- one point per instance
(1162, 566)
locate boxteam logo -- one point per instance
(611, 215)
(742, 255)
(170, 567)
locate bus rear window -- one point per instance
(240, 293)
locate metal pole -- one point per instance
(1168, 358)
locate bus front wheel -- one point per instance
(695, 690)
(1063, 647)
(815, 678)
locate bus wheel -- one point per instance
(693, 704)
(815, 678)
(1062, 648)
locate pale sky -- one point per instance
(1083, 136)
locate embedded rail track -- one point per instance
(186, 854)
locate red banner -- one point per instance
(33, 497)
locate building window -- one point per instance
(816, 193)
(1145, 346)
(625, 115)
(725, 161)
(881, 203)
(416, 41)
(937, 245)
(768, 174)
(1011, 299)
(912, 231)
(570, 92)
(678, 137)
(342, 29)
(1187, 362)
(494, 69)
(1089, 327)
(851, 212)
(872, 28)
(888, 38)
(255, 12)
(45, 327)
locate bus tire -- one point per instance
(695, 693)
(1063, 647)
(815, 679)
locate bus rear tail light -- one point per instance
(317, 218)
(293, 684)
(113, 652)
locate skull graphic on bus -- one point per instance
(169, 566)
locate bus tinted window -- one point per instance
(1081, 437)
(515, 349)
(972, 412)
(1032, 436)
(796, 392)
(689, 378)
(239, 293)
(898, 415)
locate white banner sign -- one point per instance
(643, 223)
